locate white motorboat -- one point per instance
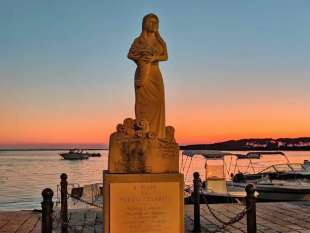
(280, 182)
(214, 188)
(75, 154)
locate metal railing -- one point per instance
(249, 210)
(47, 208)
(53, 219)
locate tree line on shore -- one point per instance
(302, 143)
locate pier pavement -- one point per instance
(286, 217)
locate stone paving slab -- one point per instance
(277, 217)
(280, 217)
(20, 222)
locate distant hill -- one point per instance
(302, 143)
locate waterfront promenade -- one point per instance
(286, 217)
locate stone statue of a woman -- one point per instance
(145, 144)
(147, 51)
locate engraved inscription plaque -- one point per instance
(144, 207)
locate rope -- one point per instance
(230, 166)
(182, 161)
(184, 164)
(235, 167)
(190, 162)
(246, 170)
(225, 169)
(252, 167)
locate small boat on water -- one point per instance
(77, 154)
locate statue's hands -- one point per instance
(148, 58)
(133, 55)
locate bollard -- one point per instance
(47, 210)
(251, 208)
(196, 200)
(64, 203)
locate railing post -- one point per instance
(196, 200)
(47, 210)
(64, 203)
(251, 208)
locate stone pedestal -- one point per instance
(143, 190)
(143, 203)
(143, 155)
(134, 149)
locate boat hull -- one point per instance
(215, 198)
(277, 192)
(74, 156)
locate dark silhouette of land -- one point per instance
(289, 144)
(302, 143)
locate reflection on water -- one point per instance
(24, 174)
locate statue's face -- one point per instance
(151, 24)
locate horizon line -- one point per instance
(104, 146)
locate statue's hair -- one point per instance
(157, 35)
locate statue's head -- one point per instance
(150, 23)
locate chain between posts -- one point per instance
(63, 218)
(82, 200)
(238, 217)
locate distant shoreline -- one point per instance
(256, 144)
(181, 148)
(48, 149)
(250, 144)
(226, 149)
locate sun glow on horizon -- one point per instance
(234, 71)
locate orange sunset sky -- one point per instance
(235, 70)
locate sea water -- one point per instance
(24, 174)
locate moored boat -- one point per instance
(279, 182)
(283, 191)
(93, 154)
(214, 188)
(75, 154)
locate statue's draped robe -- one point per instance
(150, 97)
